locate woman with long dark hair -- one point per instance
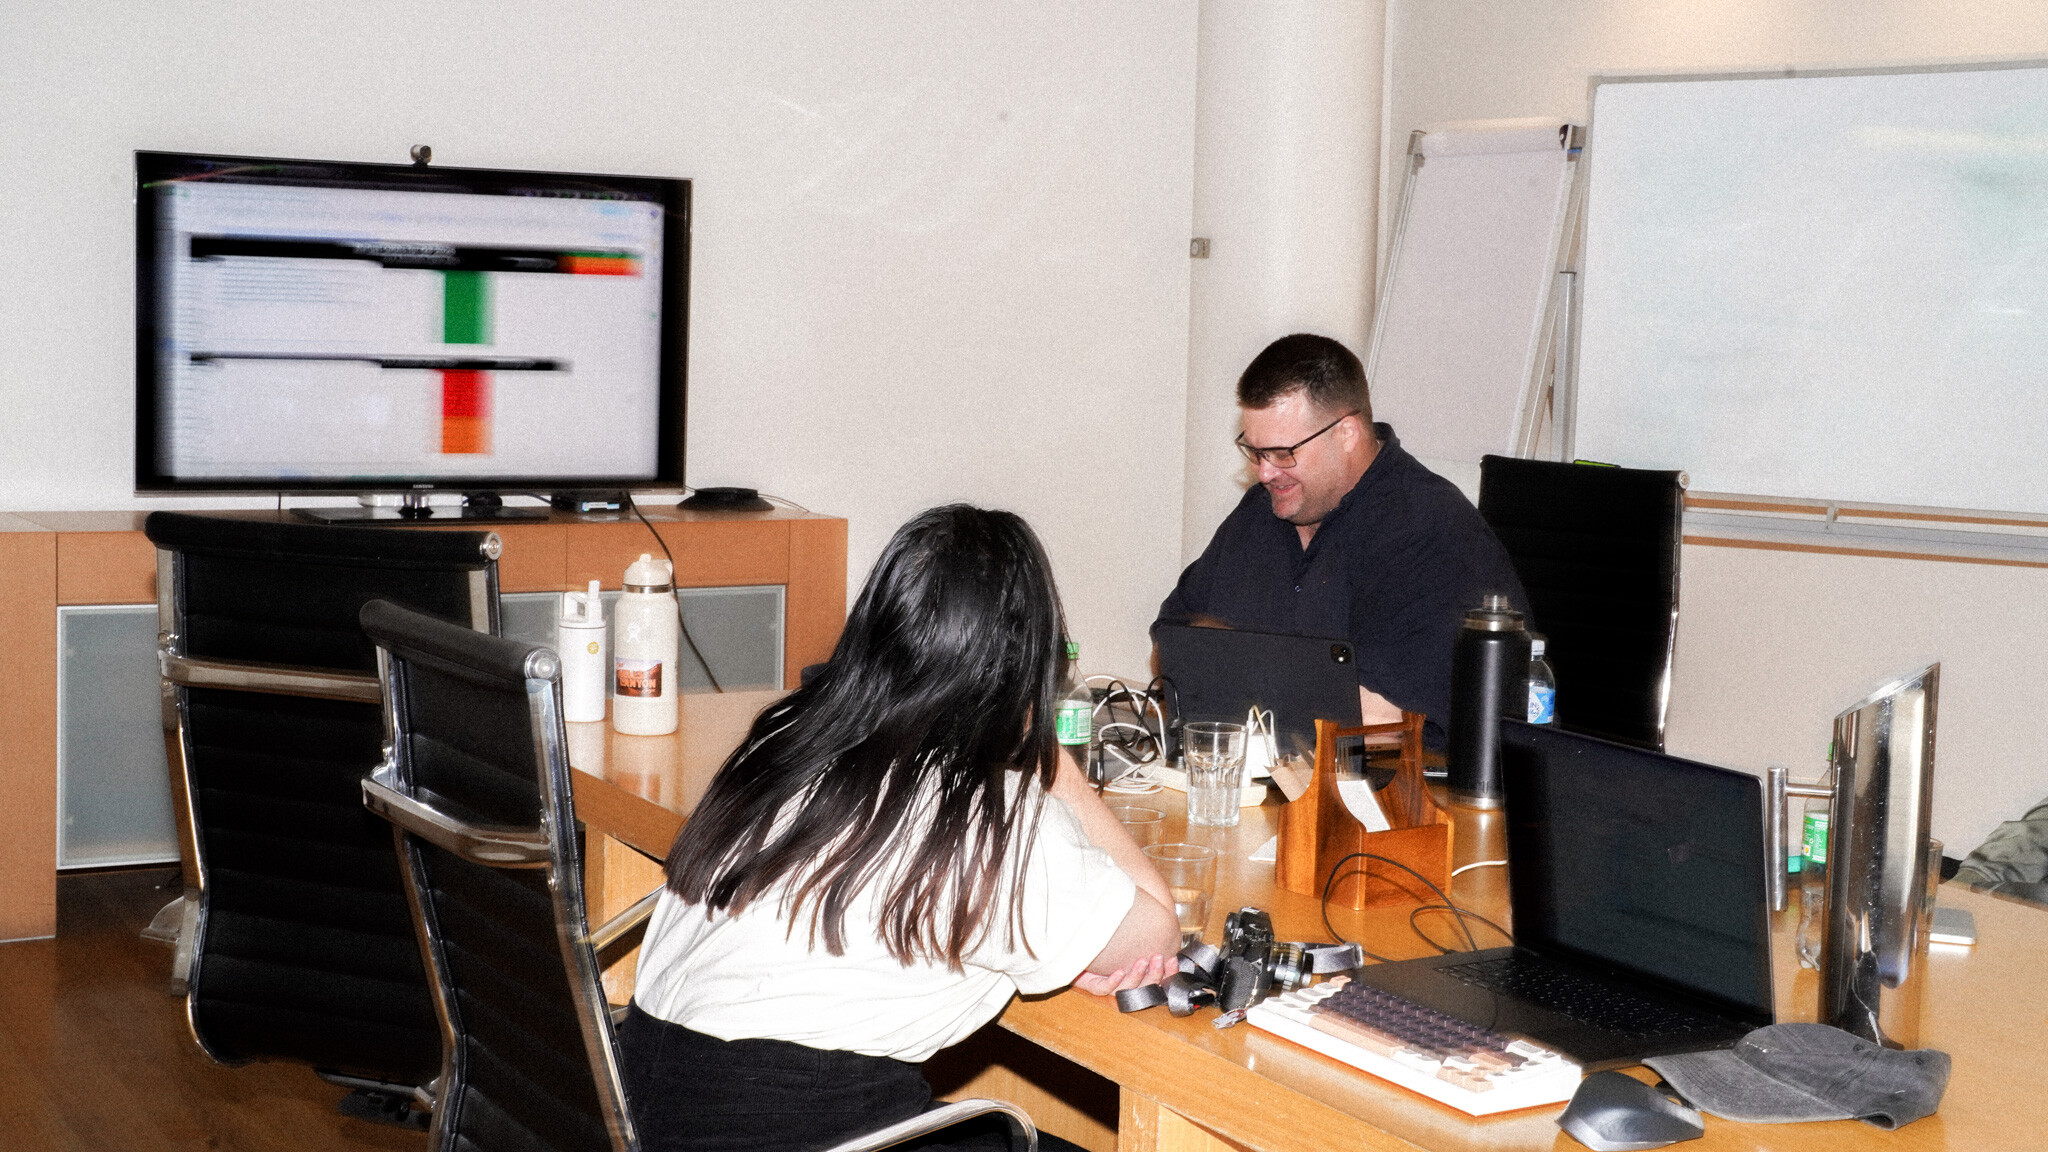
(897, 848)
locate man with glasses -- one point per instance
(1345, 535)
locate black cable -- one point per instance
(1332, 882)
(680, 622)
(1455, 911)
(1169, 717)
(1116, 693)
(1327, 927)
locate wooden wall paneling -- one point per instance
(602, 552)
(105, 568)
(721, 553)
(814, 607)
(707, 553)
(28, 733)
(535, 558)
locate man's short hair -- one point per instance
(1318, 367)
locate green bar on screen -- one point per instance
(465, 307)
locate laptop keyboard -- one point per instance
(1569, 994)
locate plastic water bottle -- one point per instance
(1542, 683)
(1074, 716)
(1813, 886)
(586, 667)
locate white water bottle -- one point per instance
(580, 642)
(646, 632)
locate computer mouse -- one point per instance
(1615, 1113)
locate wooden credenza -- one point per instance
(52, 559)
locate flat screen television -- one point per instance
(324, 327)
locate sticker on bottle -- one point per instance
(1073, 723)
(636, 677)
(1542, 704)
(1817, 837)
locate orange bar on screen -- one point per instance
(465, 412)
(577, 264)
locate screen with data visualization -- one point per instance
(346, 326)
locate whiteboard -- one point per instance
(1827, 286)
(1461, 335)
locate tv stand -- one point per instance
(480, 506)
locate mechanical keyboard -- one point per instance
(1569, 994)
(1423, 1050)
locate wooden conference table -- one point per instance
(1183, 1086)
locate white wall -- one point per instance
(1771, 644)
(1286, 150)
(940, 249)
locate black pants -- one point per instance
(695, 1093)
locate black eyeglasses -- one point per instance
(1284, 457)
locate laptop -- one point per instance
(1641, 915)
(1223, 673)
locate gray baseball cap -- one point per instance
(1791, 1072)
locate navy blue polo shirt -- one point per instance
(1393, 569)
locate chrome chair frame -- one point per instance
(552, 846)
(183, 922)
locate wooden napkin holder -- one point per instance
(1317, 831)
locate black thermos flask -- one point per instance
(1489, 680)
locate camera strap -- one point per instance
(1201, 971)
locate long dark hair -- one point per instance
(941, 689)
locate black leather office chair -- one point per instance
(295, 941)
(1596, 549)
(477, 783)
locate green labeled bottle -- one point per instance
(1813, 885)
(1074, 717)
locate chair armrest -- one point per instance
(280, 679)
(481, 844)
(623, 931)
(944, 1116)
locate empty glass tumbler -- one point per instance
(1190, 873)
(1213, 754)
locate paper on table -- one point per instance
(1292, 776)
(1357, 796)
(1269, 852)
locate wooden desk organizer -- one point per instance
(1317, 830)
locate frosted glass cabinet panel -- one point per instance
(113, 785)
(738, 630)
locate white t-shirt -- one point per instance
(750, 977)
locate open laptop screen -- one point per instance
(1640, 861)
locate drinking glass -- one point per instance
(1190, 873)
(1146, 825)
(1213, 754)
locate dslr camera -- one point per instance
(1253, 964)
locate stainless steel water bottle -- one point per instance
(1489, 680)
